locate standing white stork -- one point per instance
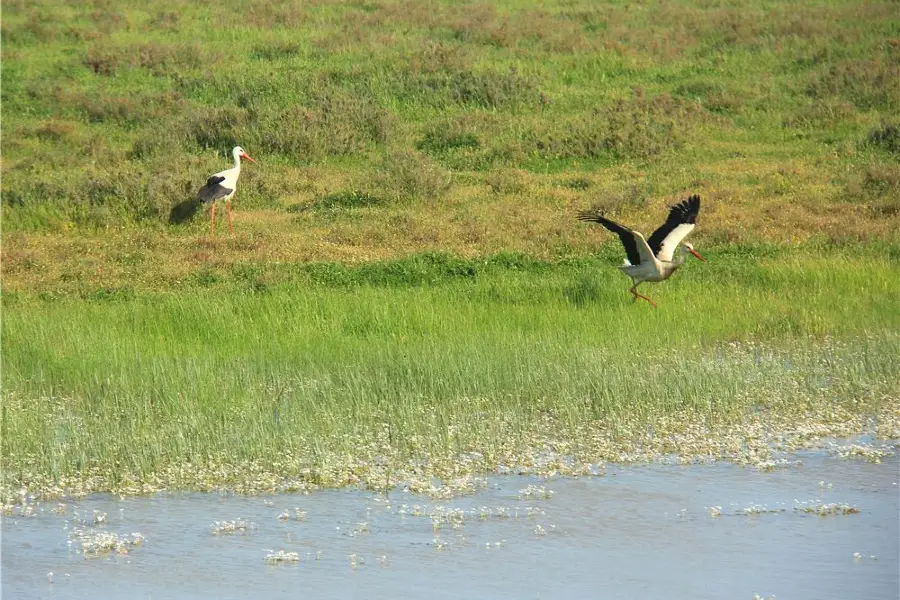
(652, 260)
(221, 186)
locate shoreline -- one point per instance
(758, 441)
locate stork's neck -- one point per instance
(682, 256)
(237, 161)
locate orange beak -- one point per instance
(247, 156)
(697, 254)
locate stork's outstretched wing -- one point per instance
(636, 248)
(680, 223)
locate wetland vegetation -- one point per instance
(407, 294)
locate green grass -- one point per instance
(447, 355)
(439, 99)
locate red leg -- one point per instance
(636, 296)
(212, 219)
(228, 205)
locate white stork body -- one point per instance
(653, 260)
(222, 186)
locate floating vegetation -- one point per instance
(459, 486)
(281, 557)
(774, 463)
(870, 452)
(540, 530)
(297, 515)
(823, 509)
(238, 526)
(11, 509)
(93, 543)
(749, 511)
(760, 509)
(537, 492)
(455, 519)
(355, 560)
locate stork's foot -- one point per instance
(636, 295)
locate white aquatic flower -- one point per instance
(281, 557)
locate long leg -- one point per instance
(212, 219)
(228, 205)
(636, 295)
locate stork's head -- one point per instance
(239, 153)
(690, 248)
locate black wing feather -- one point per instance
(625, 234)
(684, 212)
(213, 190)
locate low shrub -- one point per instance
(869, 84)
(635, 128)
(885, 137)
(410, 175)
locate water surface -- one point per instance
(635, 532)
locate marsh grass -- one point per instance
(336, 375)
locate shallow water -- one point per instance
(636, 532)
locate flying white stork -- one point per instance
(221, 186)
(652, 260)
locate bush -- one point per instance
(219, 127)
(55, 130)
(348, 199)
(443, 75)
(624, 195)
(410, 175)
(441, 139)
(877, 186)
(158, 58)
(635, 128)
(505, 181)
(885, 137)
(714, 97)
(334, 122)
(820, 114)
(869, 84)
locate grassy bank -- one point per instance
(394, 372)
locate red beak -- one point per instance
(247, 156)
(697, 254)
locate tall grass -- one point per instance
(475, 360)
